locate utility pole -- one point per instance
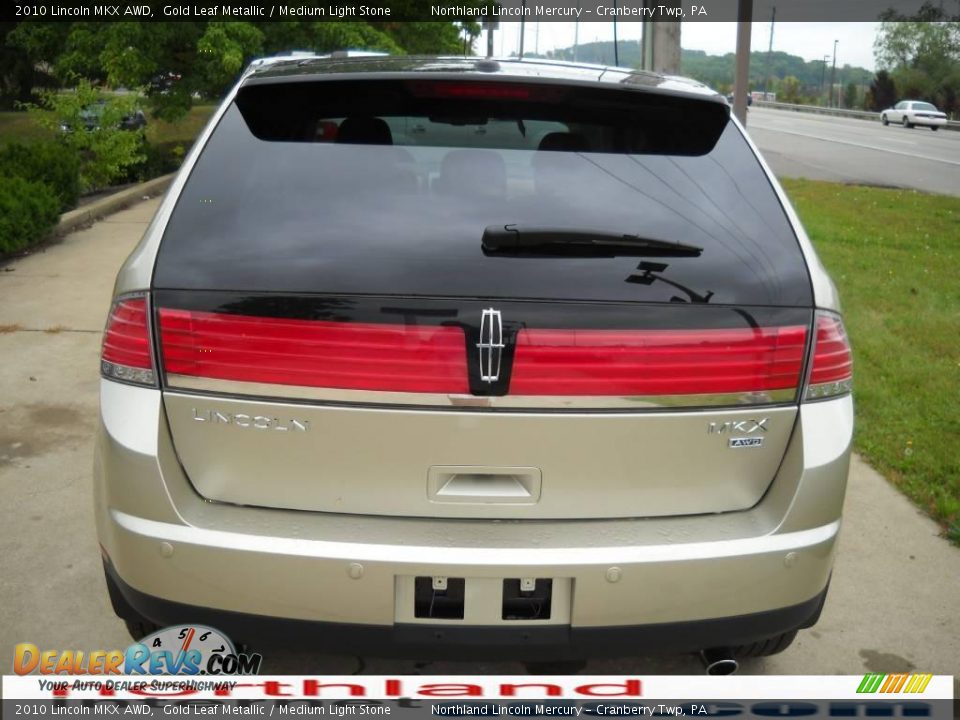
(616, 50)
(766, 77)
(742, 73)
(646, 42)
(833, 71)
(823, 76)
(576, 37)
(490, 26)
(523, 11)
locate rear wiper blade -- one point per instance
(535, 240)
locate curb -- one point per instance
(74, 219)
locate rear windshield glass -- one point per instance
(924, 106)
(388, 187)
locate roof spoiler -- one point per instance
(290, 55)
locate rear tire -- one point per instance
(883, 119)
(906, 123)
(764, 648)
(934, 128)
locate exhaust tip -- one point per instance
(719, 661)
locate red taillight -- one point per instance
(314, 353)
(832, 371)
(485, 91)
(657, 362)
(126, 354)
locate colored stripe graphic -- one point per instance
(894, 683)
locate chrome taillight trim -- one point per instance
(476, 402)
(827, 390)
(125, 373)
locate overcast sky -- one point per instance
(810, 41)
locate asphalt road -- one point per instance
(892, 605)
(846, 150)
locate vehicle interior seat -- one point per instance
(554, 160)
(472, 173)
(564, 141)
(396, 168)
(359, 130)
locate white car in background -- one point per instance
(914, 112)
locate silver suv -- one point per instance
(443, 357)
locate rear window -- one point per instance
(927, 107)
(387, 187)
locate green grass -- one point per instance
(184, 130)
(895, 257)
(21, 126)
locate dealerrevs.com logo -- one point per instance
(176, 650)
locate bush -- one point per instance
(106, 151)
(48, 162)
(28, 212)
(161, 158)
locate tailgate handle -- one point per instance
(484, 485)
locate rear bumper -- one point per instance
(929, 122)
(681, 583)
(477, 642)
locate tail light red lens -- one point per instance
(125, 354)
(478, 91)
(658, 362)
(311, 353)
(832, 370)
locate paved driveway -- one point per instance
(894, 604)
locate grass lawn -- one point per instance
(21, 126)
(895, 256)
(184, 130)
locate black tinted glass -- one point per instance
(303, 190)
(482, 114)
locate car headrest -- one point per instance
(364, 131)
(564, 141)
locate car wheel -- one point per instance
(883, 119)
(769, 646)
(906, 123)
(934, 128)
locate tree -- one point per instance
(922, 53)
(850, 95)
(789, 91)
(176, 61)
(882, 93)
(88, 123)
(21, 69)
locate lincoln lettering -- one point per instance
(245, 420)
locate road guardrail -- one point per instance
(837, 112)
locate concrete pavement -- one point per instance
(894, 603)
